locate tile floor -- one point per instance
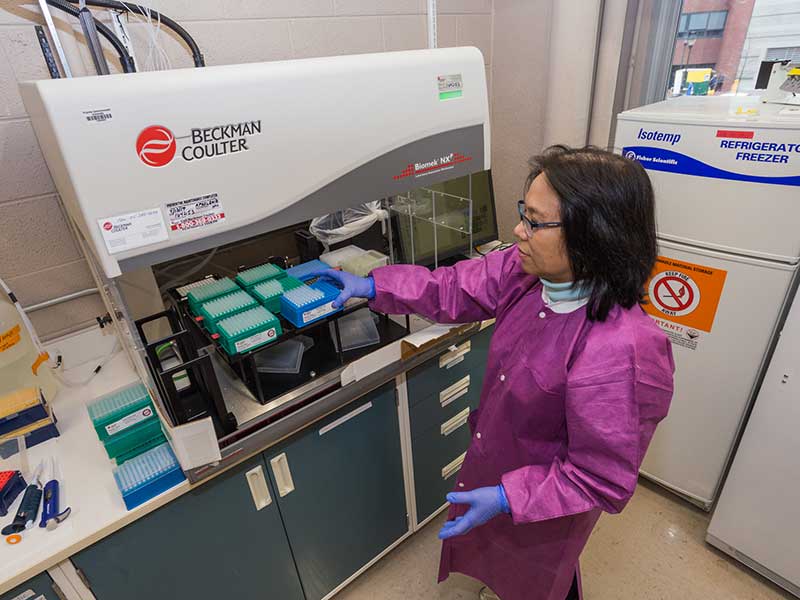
(654, 550)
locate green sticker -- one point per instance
(450, 86)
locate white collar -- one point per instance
(563, 306)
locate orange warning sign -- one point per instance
(9, 338)
(685, 293)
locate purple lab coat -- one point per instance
(567, 410)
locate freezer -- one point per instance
(720, 312)
(722, 181)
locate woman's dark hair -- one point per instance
(608, 216)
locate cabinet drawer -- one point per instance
(443, 371)
(436, 462)
(439, 407)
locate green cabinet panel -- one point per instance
(428, 379)
(38, 588)
(437, 409)
(433, 451)
(343, 497)
(210, 543)
(431, 377)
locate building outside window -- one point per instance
(720, 44)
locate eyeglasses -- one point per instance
(531, 225)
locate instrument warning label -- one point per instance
(194, 213)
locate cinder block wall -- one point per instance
(39, 257)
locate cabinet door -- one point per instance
(222, 540)
(340, 491)
(39, 587)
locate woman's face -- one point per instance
(544, 252)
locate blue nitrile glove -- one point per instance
(351, 285)
(484, 504)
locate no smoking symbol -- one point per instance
(674, 293)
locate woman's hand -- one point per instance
(351, 285)
(484, 504)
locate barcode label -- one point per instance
(97, 116)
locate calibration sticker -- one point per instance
(193, 213)
(450, 86)
(683, 298)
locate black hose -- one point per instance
(197, 56)
(124, 58)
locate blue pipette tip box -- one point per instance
(306, 270)
(304, 305)
(146, 476)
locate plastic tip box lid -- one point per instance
(304, 270)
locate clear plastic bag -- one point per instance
(345, 224)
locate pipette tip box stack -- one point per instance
(223, 307)
(126, 422)
(250, 277)
(148, 475)
(269, 293)
(304, 305)
(21, 408)
(247, 330)
(24, 413)
(306, 270)
(205, 293)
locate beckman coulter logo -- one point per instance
(156, 146)
(108, 226)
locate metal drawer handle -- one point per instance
(258, 487)
(454, 392)
(283, 476)
(455, 356)
(455, 422)
(452, 468)
(345, 418)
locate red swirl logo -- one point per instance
(156, 146)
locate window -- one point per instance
(791, 54)
(702, 24)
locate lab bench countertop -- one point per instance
(87, 484)
(86, 473)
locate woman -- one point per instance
(577, 379)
